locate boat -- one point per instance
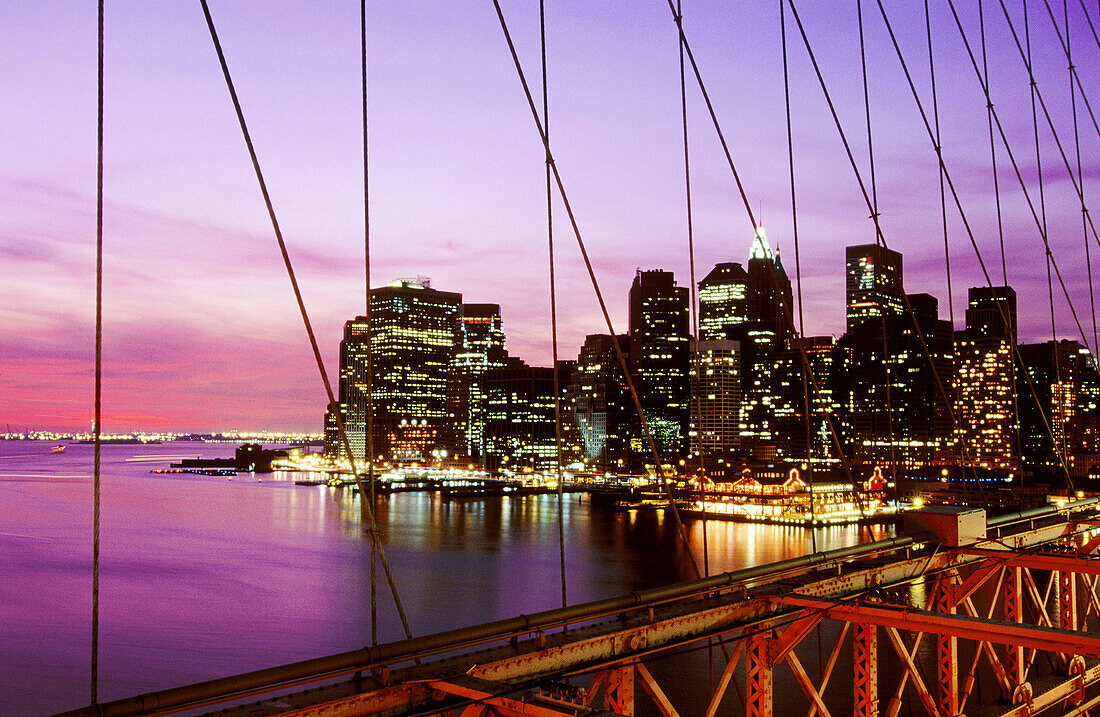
(58, 449)
(766, 497)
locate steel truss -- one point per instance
(1014, 608)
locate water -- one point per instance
(204, 576)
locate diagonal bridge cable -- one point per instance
(1075, 79)
(305, 318)
(785, 310)
(1078, 189)
(647, 434)
(958, 202)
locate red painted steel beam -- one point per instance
(1039, 561)
(959, 626)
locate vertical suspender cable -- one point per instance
(798, 278)
(369, 333)
(786, 310)
(1043, 216)
(97, 429)
(694, 395)
(993, 150)
(1080, 173)
(879, 240)
(646, 433)
(334, 406)
(943, 219)
(553, 307)
(1009, 318)
(954, 191)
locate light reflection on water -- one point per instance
(203, 576)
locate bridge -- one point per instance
(1007, 600)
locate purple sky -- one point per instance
(201, 331)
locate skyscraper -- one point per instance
(412, 348)
(986, 407)
(762, 337)
(873, 283)
(768, 297)
(723, 306)
(991, 311)
(659, 345)
(716, 400)
(600, 407)
(479, 348)
(519, 428)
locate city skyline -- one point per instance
(201, 330)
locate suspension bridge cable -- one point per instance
(876, 217)
(97, 430)
(1075, 78)
(1092, 27)
(369, 333)
(695, 406)
(647, 434)
(1009, 319)
(954, 192)
(1075, 83)
(798, 271)
(1050, 122)
(553, 306)
(333, 405)
(943, 201)
(1060, 447)
(786, 311)
(867, 200)
(1019, 174)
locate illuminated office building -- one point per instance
(518, 419)
(659, 346)
(723, 306)
(873, 283)
(762, 337)
(899, 414)
(412, 348)
(479, 348)
(824, 392)
(985, 381)
(1065, 378)
(600, 409)
(716, 400)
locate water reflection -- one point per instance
(204, 576)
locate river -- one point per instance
(205, 576)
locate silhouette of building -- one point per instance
(1064, 376)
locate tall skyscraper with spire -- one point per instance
(764, 335)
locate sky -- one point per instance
(201, 331)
